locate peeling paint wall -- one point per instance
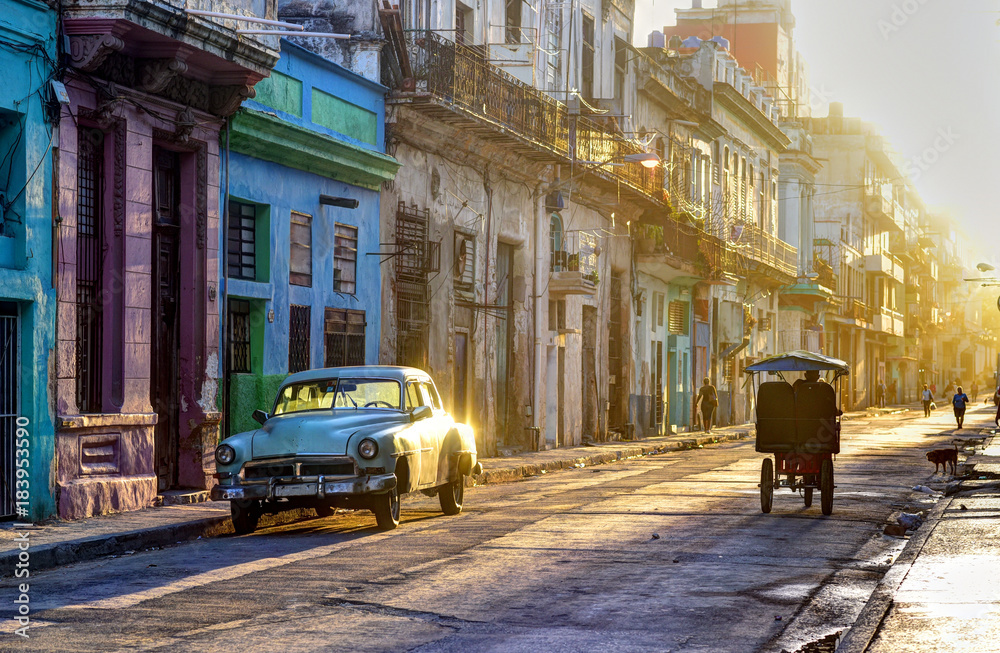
(26, 284)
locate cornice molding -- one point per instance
(269, 138)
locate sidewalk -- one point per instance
(941, 593)
(59, 543)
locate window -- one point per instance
(413, 398)
(677, 317)
(298, 338)
(465, 262)
(557, 314)
(514, 21)
(89, 268)
(463, 24)
(345, 258)
(587, 60)
(658, 298)
(343, 337)
(621, 71)
(300, 260)
(239, 336)
(242, 251)
(429, 396)
(554, 46)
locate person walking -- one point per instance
(975, 392)
(958, 402)
(880, 394)
(996, 402)
(709, 399)
(927, 397)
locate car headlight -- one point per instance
(368, 448)
(224, 454)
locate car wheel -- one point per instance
(451, 496)
(386, 509)
(245, 515)
(323, 510)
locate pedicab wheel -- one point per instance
(826, 486)
(766, 485)
(808, 496)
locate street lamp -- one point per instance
(647, 159)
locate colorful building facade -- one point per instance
(28, 111)
(302, 242)
(149, 88)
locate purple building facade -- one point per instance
(137, 185)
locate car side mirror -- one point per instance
(260, 416)
(420, 412)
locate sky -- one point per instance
(925, 72)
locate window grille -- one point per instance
(345, 258)
(300, 261)
(239, 336)
(242, 250)
(298, 338)
(344, 337)
(677, 317)
(764, 324)
(89, 268)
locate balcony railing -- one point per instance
(857, 310)
(758, 245)
(888, 321)
(461, 77)
(574, 264)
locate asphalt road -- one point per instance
(566, 561)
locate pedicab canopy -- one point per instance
(799, 361)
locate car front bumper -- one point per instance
(279, 487)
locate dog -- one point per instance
(942, 457)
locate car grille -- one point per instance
(328, 469)
(266, 469)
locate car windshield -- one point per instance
(338, 393)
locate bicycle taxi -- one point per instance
(799, 424)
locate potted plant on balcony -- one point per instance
(573, 262)
(593, 277)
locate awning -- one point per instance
(799, 360)
(732, 350)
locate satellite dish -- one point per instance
(985, 267)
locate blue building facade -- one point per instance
(301, 194)
(27, 298)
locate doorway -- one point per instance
(460, 377)
(166, 285)
(10, 376)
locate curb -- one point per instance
(516, 473)
(47, 556)
(868, 622)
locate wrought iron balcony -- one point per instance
(760, 247)
(574, 264)
(456, 83)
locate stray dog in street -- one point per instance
(942, 457)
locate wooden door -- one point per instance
(166, 286)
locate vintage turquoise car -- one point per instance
(352, 437)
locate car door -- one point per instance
(431, 433)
